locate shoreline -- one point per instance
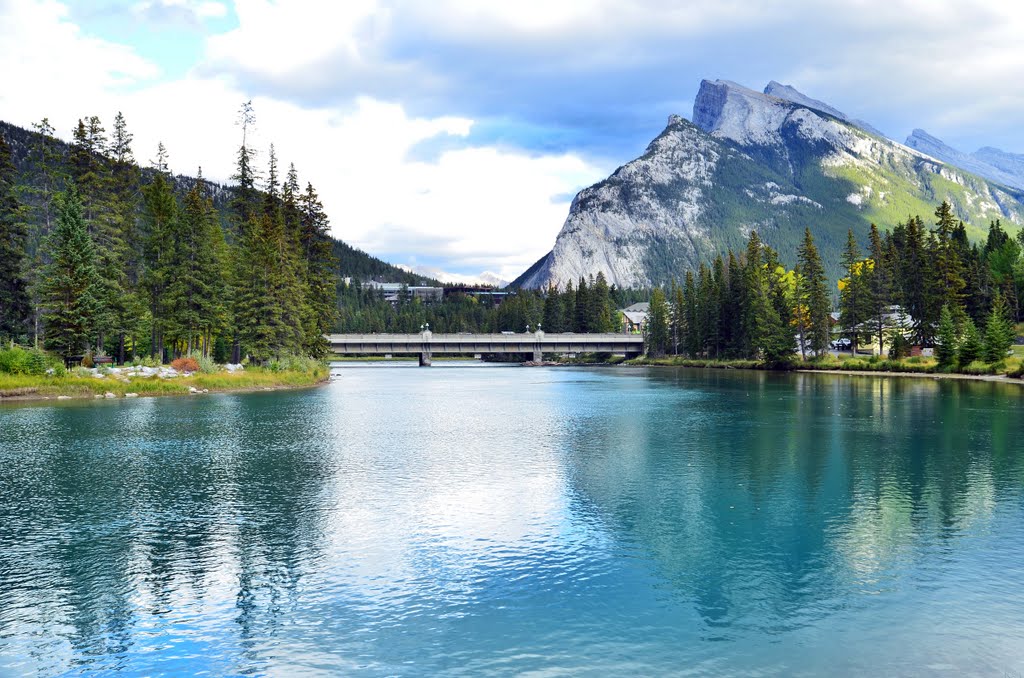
(994, 378)
(49, 391)
(997, 378)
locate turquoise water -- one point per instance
(407, 521)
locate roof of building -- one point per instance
(638, 307)
(635, 317)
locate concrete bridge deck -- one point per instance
(535, 343)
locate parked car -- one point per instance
(842, 344)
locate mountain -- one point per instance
(991, 163)
(773, 161)
(352, 262)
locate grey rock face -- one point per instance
(774, 162)
(991, 163)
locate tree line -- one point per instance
(99, 255)
(589, 305)
(913, 285)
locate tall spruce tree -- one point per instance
(194, 296)
(71, 286)
(765, 330)
(998, 330)
(14, 299)
(656, 339)
(812, 291)
(853, 291)
(878, 289)
(946, 344)
(318, 270)
(160, 217)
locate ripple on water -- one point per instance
(495, 521)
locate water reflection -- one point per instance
(497, 521)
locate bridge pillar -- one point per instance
(425, 349)
(538, 353)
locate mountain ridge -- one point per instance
(754, 160)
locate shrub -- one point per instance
(899, 347)
(289, 362)
(19, 360)
(187, 364)
(206, 366)
(87, 360)
(979, 367)
(14, 360)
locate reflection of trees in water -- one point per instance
(763, 497)
(140, 514)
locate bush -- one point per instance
(19, 360)
(87, 360)
(979, 367)
(289, 362)
(206, 366)
(187, 364)
(899, 347)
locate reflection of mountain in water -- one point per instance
(767, 512)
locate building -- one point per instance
(634, 317)
(392, 291)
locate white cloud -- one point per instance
(347, 90)
(472, 208)
(49, 66)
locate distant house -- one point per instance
(634, 317)
(392, 291)
(894, 321)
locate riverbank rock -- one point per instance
(63, 397)
(108, 394)
(131, 395)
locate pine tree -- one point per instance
(813, 293)
(946, 346)
(998, 330)
(946, 263)
(47, 180)
(317, 271)
(259, 316)
(194, 296)
(852, 290)
(14, 300)
(878, 289)
(602, 305)
(691, 334)
(569, 307)
(160, 215)
(971, 347)
(656, 339)
(245, 200)
(764, 329)
(553, 310)
(71, 285)
(582, 320)
(678, 317)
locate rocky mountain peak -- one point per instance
(726, 109)
(991, 163)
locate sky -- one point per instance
(451, 135)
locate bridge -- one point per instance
(425, 344)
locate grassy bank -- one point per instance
(1012, 366)
(30, 386)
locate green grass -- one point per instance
(1012, 366)
(76, 386)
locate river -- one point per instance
(490, 520)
